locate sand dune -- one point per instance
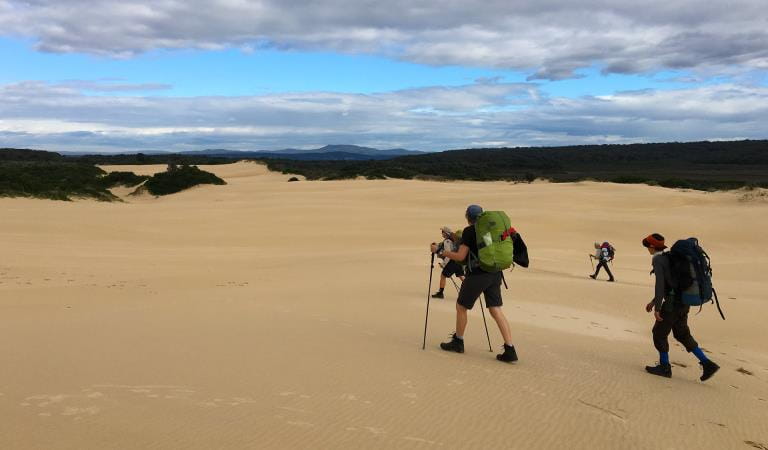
(268, 314)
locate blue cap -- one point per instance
(473, 212)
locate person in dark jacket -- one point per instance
(477, 282)
(670, 313)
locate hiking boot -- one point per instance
(454, 345)
(708, 369)
(594, 277)
(438, 294)
(662, 370)
(509, 354)
(611, 280)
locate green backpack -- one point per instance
(494, 244)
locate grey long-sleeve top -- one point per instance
(663, 271)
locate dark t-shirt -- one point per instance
(469, 238)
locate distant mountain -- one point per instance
(355, 149)
(325, 156)
(328, 152)
(82, 153)
(300, 155)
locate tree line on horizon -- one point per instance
(695, 165)
(27, 173)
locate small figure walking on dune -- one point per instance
(604, 254)
(671, 312)
(450, 268)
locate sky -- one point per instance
(177, 75)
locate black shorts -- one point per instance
(485, 283)
(453, 268)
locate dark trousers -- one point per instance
(603, 264)
(675, 321)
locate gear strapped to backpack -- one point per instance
(692, 273)
(498, 244)
(519, 250)
(607, 251)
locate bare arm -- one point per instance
(459, 255)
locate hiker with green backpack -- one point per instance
(682, 280)
(487, 249)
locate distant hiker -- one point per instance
(480, 281)
(604, 254)
(450, 268)
(670, 313)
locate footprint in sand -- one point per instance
(300, 423)
(291, 409)
(291, 393)
(420, 440)
(62, 405)
(78, 411)
(46, 400)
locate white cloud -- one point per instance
(548, 38)
(486, 113)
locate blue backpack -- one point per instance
(692, 273)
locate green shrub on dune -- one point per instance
(178, 178)
(63, 180)
(52, 180)
(127, 179)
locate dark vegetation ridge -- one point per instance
(694, 165)
(39, 174)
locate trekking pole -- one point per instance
(429, 288)
(482, 310)
(455, 285)
(592, 263)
